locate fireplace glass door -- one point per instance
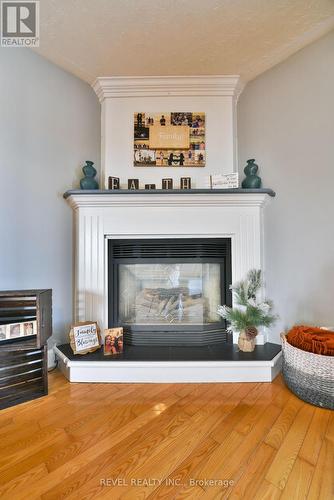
(169, 293)
(165, 292)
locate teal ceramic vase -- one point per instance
(252, 180)
(88, 182)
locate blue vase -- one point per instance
(252, 180)
(88, 182)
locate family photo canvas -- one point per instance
(169, 139)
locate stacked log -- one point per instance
(168, 304)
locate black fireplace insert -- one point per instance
(166, 291)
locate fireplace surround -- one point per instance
(101, 217)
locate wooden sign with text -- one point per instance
(85, 337)
(224, 181)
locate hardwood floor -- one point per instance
(85, 441)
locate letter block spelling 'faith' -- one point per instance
(167, 183)
(113, 183)
(133, 184)
(185, 183)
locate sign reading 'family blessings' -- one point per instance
(84, 338)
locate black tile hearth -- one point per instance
(217, 352)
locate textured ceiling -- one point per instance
(92, 38)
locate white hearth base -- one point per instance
(168, 371)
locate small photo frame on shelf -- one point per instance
(14, 331)
(224, 181)
(3, 333)
(29, 328)
(85, 337)
(113, 341)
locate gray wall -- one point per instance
(50, 124)
(286, 122)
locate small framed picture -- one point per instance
(3, 335)
(85, 337)
(29, 328)
(113, 341)
(224, 181)
(14, 331)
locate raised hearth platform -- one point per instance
(218, 363)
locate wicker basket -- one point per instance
(310, 376)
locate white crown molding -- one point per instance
(167, 86)
(162, 200)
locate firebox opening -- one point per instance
(166, 291)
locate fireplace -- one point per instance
(126, 253)
(205, 216)
(166, 291)
(121, 239)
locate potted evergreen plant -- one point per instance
(249, 312)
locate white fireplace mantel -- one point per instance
(175, 197)
(101, 215)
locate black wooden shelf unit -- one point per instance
(23, 360)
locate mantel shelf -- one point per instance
(178, 198)
(153, 192)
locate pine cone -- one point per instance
(251, 332)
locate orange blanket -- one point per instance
(312, 339)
